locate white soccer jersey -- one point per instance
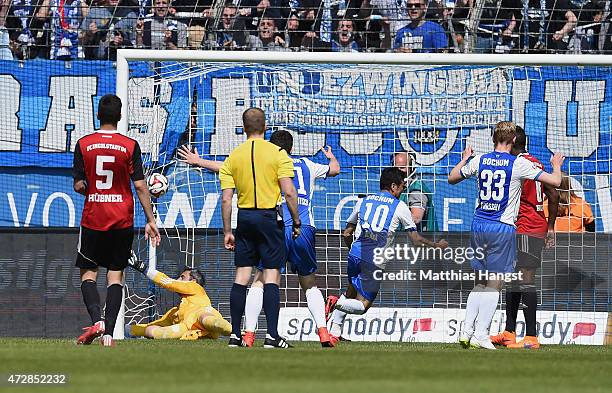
(500, 177)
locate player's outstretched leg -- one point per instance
(91, 298)
(212, 321)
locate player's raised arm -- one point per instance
(554, 178)
(458, 174)
(178, 286)
(193, 158)
(334, 165)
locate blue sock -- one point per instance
(237, 302)
(271, 305)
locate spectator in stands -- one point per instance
(396, 12)
(345, 38)
(99, 26)
(376, 28)
(312, 40)
(230, 32)
(293, 33)
(574, 214)
(255, 10)
(266, 39)
(588, 26)
(494, 32)
(547, 26)
(117, 39)
(161, 31)
(64, 17)
(27, 33)
(5, 50)
(420, 36)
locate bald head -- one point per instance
(254, 121)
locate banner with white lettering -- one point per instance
(363, 113)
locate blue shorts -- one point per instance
(259, 239)
(301, 253)
(498, 243)
(361, 275)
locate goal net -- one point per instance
(368, 111)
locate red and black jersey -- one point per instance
(531, 219)
(107, 161)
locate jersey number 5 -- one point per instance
(107, 174)
(492, 185)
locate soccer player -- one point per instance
(418, 197)
(376, 218)
(534, 233)
(192, 319)
(301, 252)
(258, 170)
(104, 164)
(500, 175)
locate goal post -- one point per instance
(368, 107)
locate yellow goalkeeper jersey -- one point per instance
(194, 299)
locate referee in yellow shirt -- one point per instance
(258, 170)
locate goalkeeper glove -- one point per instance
(134, 263)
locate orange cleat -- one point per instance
(325, 338)
(91, 333)
(504, 338)
(330, 304)
(248, 338)
(529, 342)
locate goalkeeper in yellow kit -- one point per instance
(192, 319)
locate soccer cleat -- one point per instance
(278, 342)
(330, 304)
(234, 342)
(91, 333)
(464, 339)
(107, 341)
(248, 338)
(483, 343)
(334, 340)
(529, 342)
(325, 338)
(504, 338)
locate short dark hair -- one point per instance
(254, 121)
(109, 109)
(195, 274)
(282, 139)
(391, 176)
(521, 138)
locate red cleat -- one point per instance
(325, 338)
(107, 341)
(91, 333)
(248, 338)
(334, 340)
(330, 304)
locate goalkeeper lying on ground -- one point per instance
(192, 319)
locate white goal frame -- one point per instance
(196, 56)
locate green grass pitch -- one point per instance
(135, 366)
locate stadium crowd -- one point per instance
(95, 29)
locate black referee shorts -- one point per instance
(529, 251)
(109, 249)
(260, 237)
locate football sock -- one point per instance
(271, 301)
(351, 306)
(114, 294)
(489, 297)
(254, 303)
(471, 310)
(91, 298)
(138, 330)
(316, 305)
(513, 299)
(337, 319)
(530, 299)
(237, 303)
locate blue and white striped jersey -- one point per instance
(306, 172)
(500, 177)
(378, 216)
